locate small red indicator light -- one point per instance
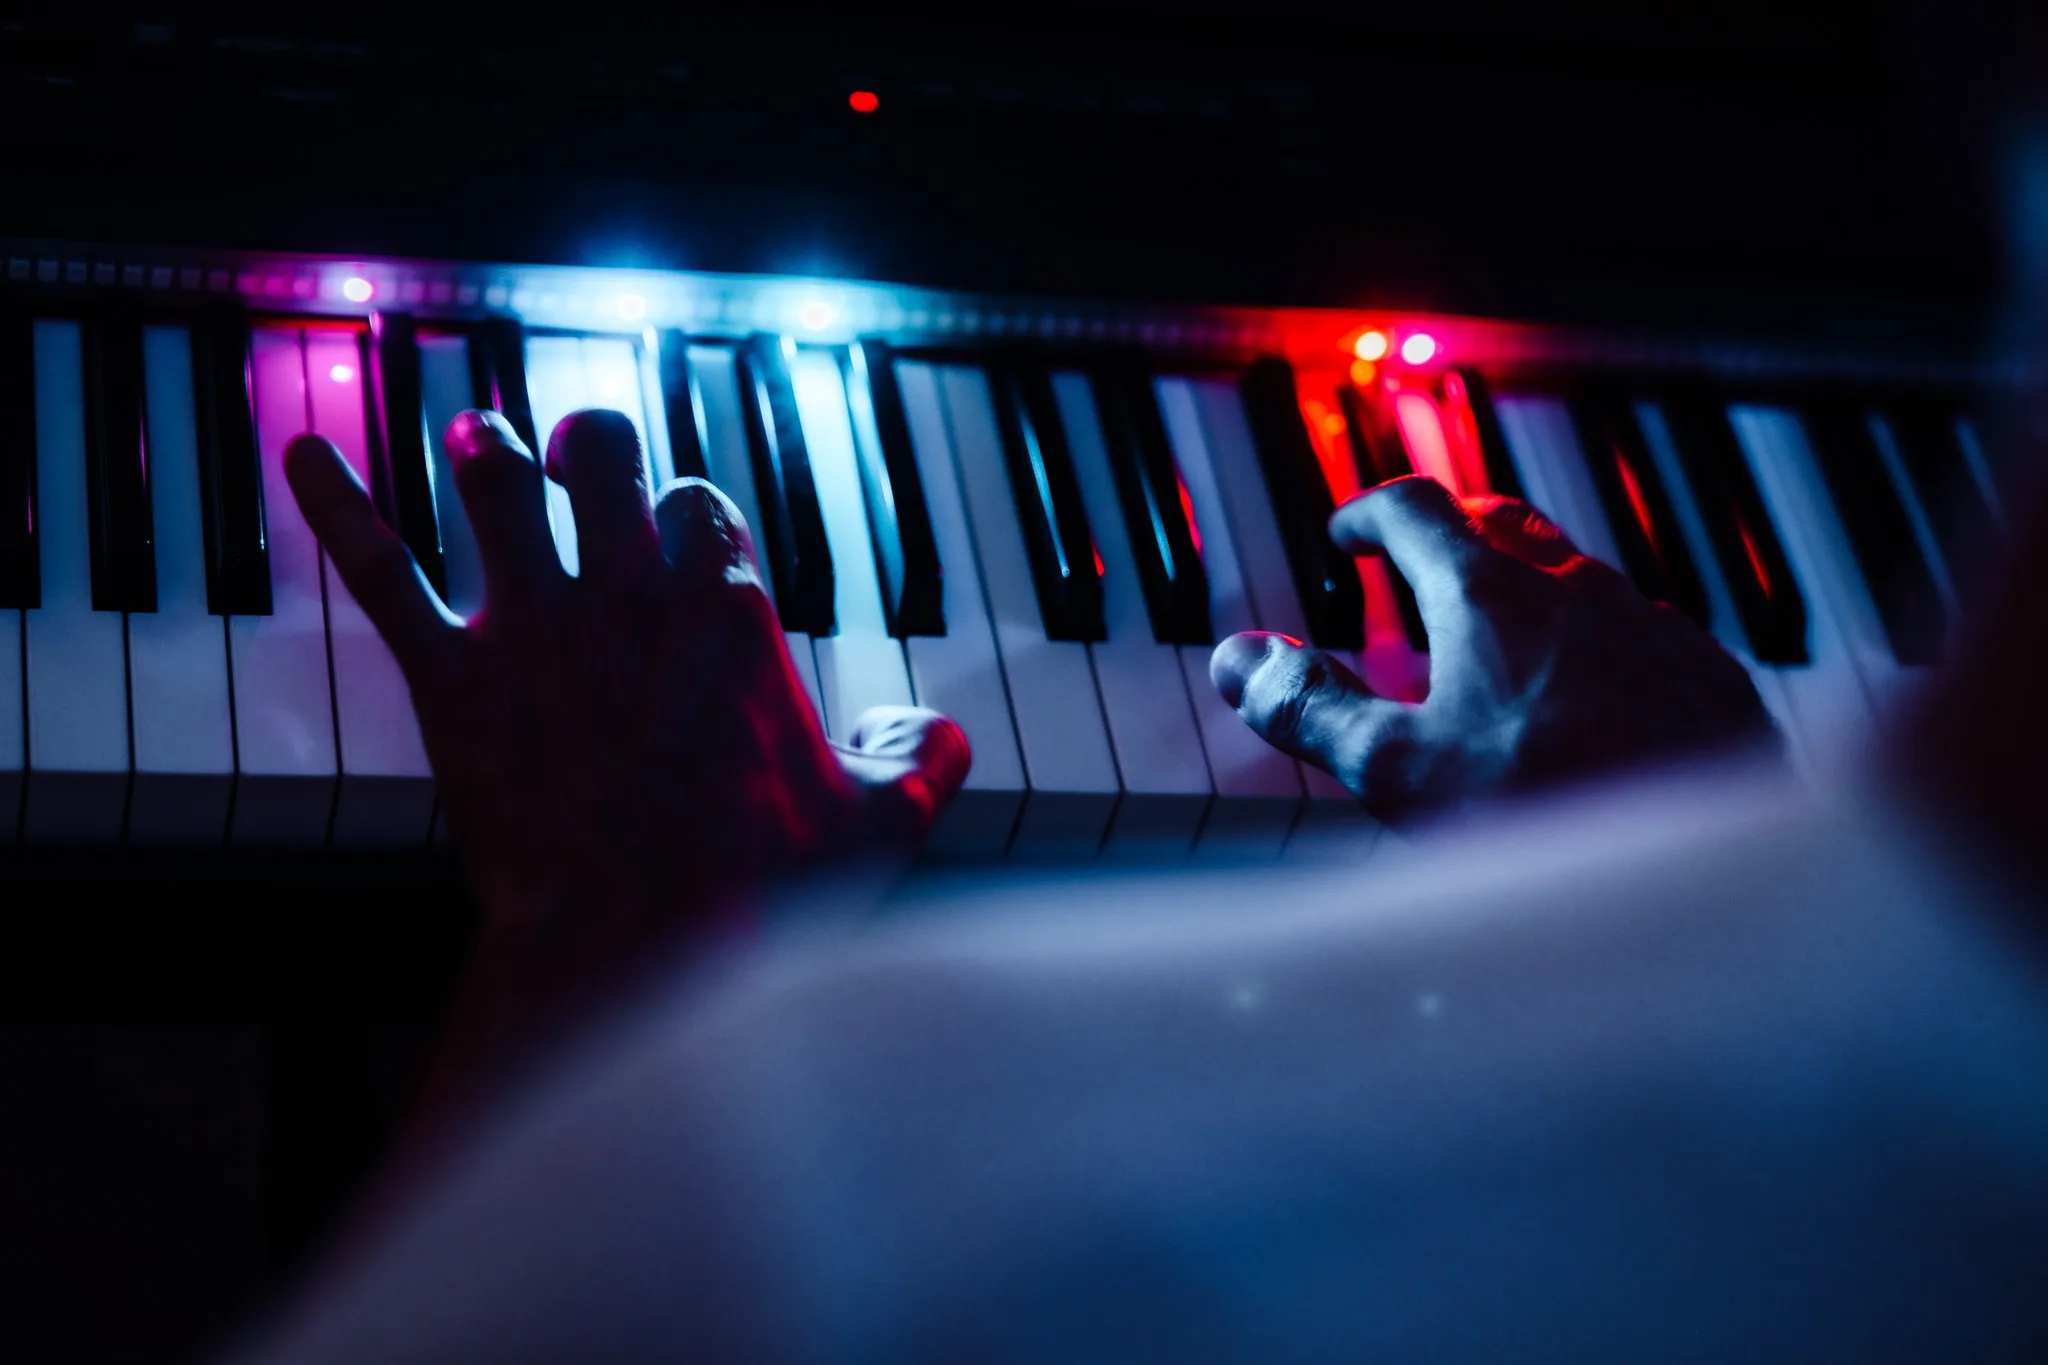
(863, 101)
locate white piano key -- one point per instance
(661, 462)
(1258, 789)
(555, 385)
(444, 392)
(387, 788)
(178, 655)
(1052, 689)
(1144, 695)
(731, 467)
(1331, 813)
(77, 658)
(1839, 694)
(1544, 446)
(284, 711)
(859, 664)
(960, 674)
(1722, 617)
(611, 379)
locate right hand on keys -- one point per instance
(1545, 666)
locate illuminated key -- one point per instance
(859, 664)
(555, 380)
(387, 792)
(726, 455)
(284, 709)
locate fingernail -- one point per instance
(1236, 659)
(476, 431)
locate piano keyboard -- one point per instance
(1041, 536)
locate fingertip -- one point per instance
(476, 432)
(702, 530)
(1234, 661)
(310, 458)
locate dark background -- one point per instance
(196, 1061)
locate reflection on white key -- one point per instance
(1258, 788)
(859, 664)
(178, 654)
(960, 674)
(444, 392)
(1144, 697)
(555, 384)
(1851, 658)
(387, 790)
(726, 457)
(77, 659)
(1331, 815)
(1544, 446)
(611, 379)
(661, 463)
(284, 713)
(1052, 689)
(1722, 617)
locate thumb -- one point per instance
(910, 762)
(1304, 702)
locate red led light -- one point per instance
(1370, 346)
(863, 101)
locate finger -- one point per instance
(1514, 527)
(1427, 535)
(507, 507)
(373, 562)
(703, 536)
(595, 454)
(1304, 702)
(912, 762)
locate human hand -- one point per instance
(622, 753)
(1545, 666)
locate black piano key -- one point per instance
(404, 482)
(21, 577)
(119, 520)
(899, 520)
(1930, 446)
(799, 557)
(1745, 542)
(681, 406)
(1155, 505)
(497, 371)
(1324, 577)
(1879, 528)
(1057, 538)
(1469, 387)
(1379, 455)
(230, 473)
(1638, 508)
